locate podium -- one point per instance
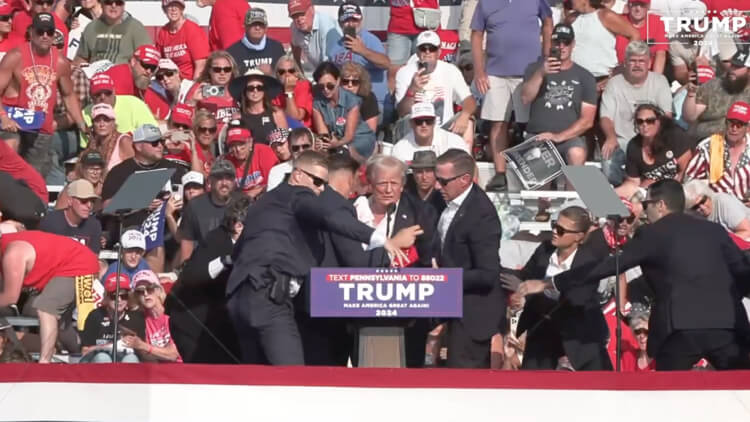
(382, 300)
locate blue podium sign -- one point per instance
(386, 292)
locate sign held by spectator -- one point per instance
(536, 162)
(386, 292)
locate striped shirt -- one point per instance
(734, 182)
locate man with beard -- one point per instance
(634, 86)
(709, 162)
(706, 105)
(30, 77)
(134, 77)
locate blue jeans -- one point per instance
(614, 167)
(401, 47)
(105, 356)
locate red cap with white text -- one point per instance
(739, 111)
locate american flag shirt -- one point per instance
(732, 182)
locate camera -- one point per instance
(213, 91)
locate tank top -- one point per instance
(259, 125)
(38, 84)
(56, 256)
(595, 45)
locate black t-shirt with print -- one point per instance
(87, 233)
(558, 103)
(665, 163)
(98, 327)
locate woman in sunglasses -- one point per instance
(355, 79)
(97, 336)
(205, 133)
(211, 90)
(158, 345)
(254, 92)
(297, 98)
(182, 40)
(558, 335)
(336, 113)
(658, 150)
(636, 359)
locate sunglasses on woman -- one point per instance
(350, 82)
(149, 290)
(290, 71)
(648, 120)
(165, 74)
(639, 331)
(204, 129)
(219, 69)
(254, 88)
(329, 86)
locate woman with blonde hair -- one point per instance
(211, 90)
(355, 79)
(297, 98)
(205, 134)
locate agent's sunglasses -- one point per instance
(444, 182)
(317, 181)
(560, 230)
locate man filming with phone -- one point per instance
(434, 81)
(562, 98)
(360, 46)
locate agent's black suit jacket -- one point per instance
(582, 330)
(691, 265)
(281, 232)
(472, 242)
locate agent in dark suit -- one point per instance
(199, 320)
(554, 327)
(693, 268)
(469, 231)
(278, 246)
(326, 341)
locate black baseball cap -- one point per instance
(43, 22)
(92, 158)
(349, 11)
(563, 32)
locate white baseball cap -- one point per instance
(192, 177)
(422, 110)
(428, 37)
(133, 239)
(168, 64)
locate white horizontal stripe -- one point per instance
(376, 18)
(190, 402)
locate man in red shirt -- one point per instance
(22, 22)
(46, 266)
(30, 76)
(134, 77)
(252, 178)
(227, 22)
(652, 31)
(8, 38)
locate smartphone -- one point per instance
(350, 31)
(555, 52)
(422, 65)
(212, 91)
(177, 191)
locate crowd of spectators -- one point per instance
(403, 118)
